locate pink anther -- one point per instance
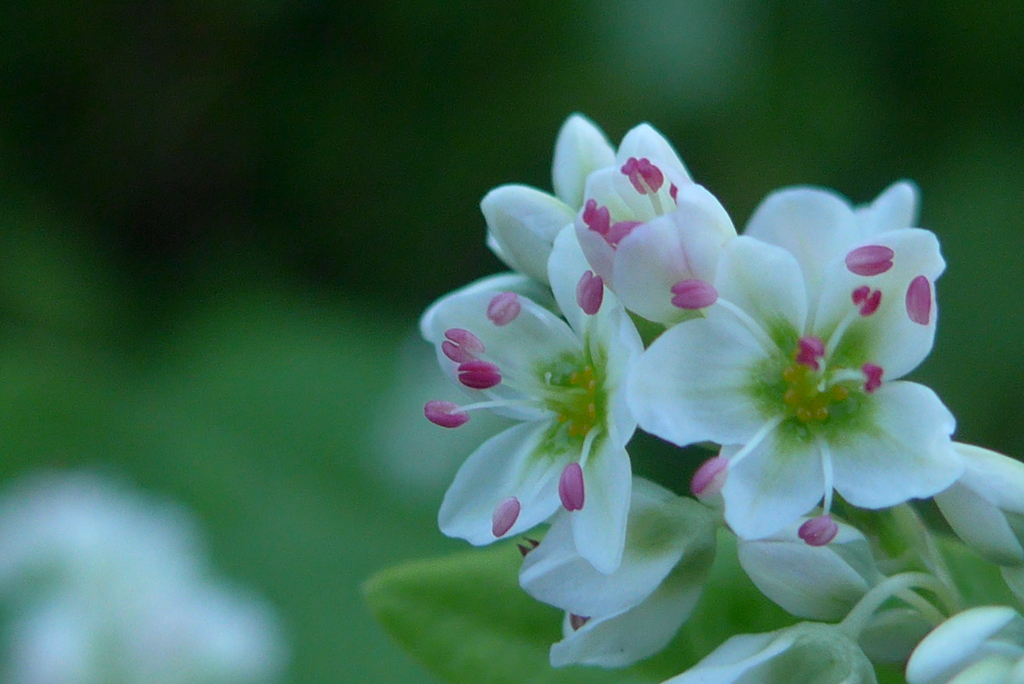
(645, 176)
(577, 621)
(505, 515)
(870, 260)
(867, 299)
(673, 191)
(504, 308)
(919, 300)
(710, 477)
(809, 350)
(619, 230)
(596, 218)
(590, 292)
(445, 413)
(819, 531)
(461, 345)
(693, 294)
(873, 374)
(479, 374)
(570, 487)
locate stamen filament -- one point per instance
(766, 342)
(826, 471)
(756, 440)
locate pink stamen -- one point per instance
(873, 374)
(919, 300)
(479, 375)
(870, 260)
(590, 293)
(710, 477)
(809, 350)
(693, 294)
(645, 176)
(867, 299)
(504, 308)
(461, 345)
(819, 531)
(505, 515)
(445, 413)
(620, 230)
(570, 487)
(577, 621)
(596, 218)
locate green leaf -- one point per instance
(467, 620)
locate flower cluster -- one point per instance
(99, 584)
(786, 347)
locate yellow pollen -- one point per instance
(805, 398)
(579, 409)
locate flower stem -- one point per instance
(898, 586)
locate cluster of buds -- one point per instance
(785, 347)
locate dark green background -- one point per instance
(220, 220)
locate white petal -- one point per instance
(662, 527)
(520, 348)
(981, 525)
(889, 337)
(774, 484)
(636, 634)
(524, 222)
(495, 284)
(613, 339)
(679, 246)
(813, 224)
(812, 582)
(696, 381)
(580, 149)
(644, 141)
(997, 478)
(957, 643)
(894, 208)
(599, 528)
(517, 462)
(566, 266)
(764, 281)
(902, 451)
(735, 657)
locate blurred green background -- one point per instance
(220, 220)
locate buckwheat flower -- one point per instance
(564, 380)
(796, 367)
(613, 620)
(522, 222)
(821, 582)
(651, 233)
(808, 652)
(982, 645)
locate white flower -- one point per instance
(563, 380)
(522, 222)
(978, 646)
(986, 505)
(811, 582)
(102, 585)
(795, 368)
(650, 232)
(614, 620)
(809, 653)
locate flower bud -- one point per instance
(985, 507)
(807, 652)
(983, 644)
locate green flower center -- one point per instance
(807, 396)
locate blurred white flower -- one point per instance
(105, 586)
